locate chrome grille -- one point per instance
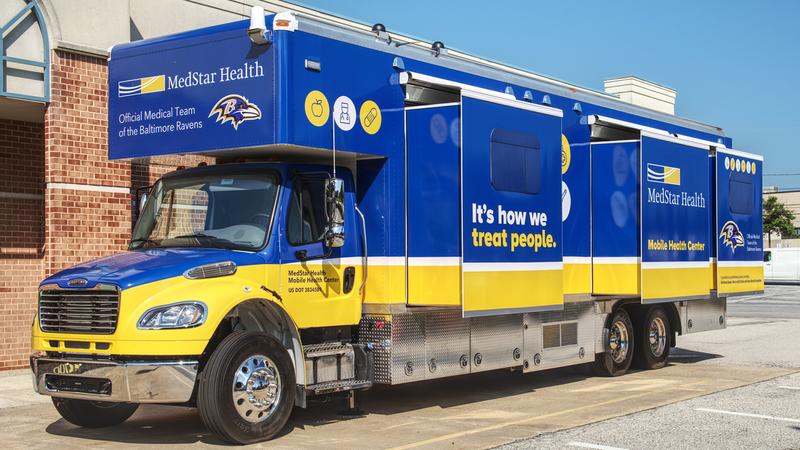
(90, 311)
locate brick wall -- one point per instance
(85, 210)
(21, 235)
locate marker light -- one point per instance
(177, 315)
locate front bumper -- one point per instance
(99, 380)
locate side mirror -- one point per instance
(334, 209)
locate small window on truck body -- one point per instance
(740, 196)
(515, 160)
(306, 220)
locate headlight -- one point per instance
(176, 315)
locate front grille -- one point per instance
(89, 311)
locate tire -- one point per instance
(91, 414)
(654, 339)
(619, 346)
(242, 361)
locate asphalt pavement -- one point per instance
(763, 331)
(732, 388)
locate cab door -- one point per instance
(319, 285)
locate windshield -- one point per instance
(212, 210)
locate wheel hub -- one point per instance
(618, 341)
(256, 388)
(657, 336)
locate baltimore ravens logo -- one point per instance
(731, 236)
(235, 109)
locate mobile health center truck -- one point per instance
(384, 213)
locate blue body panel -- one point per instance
(615, 199)
(366, 76)
(749, 223)
(674, 210)
(433, 182)
(190, 93)
(487, 209)
(577, 179)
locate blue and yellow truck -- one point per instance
(377, 213)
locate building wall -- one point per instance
(62, 202)
(21, 234)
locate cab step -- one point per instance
(338, 386)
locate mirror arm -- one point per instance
(302, 255)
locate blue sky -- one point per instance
(734, 63)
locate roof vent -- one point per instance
(642, 93)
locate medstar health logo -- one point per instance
(235, 109)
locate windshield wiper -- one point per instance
(142, 242)
(211, 238)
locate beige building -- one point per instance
(790, 198)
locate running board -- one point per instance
(338, 386)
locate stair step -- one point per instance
(339, 386)
(327, 349)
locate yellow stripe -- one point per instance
(674, 176)
(672, 282)
(386, 285)
(434, 285)
(512, 289)
(615, 279)
(740, 279)
(152, 84)
(577, 278)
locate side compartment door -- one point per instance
(739, 239)
(616, 252)
(433, 208)
(510, 206)
(675, 202)
(319, 285)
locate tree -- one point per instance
(777, 219)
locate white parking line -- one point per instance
(756, 416)
(594, 446)
(793, 388)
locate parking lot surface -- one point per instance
(723, 389)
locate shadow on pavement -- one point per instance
(161, 424)
(690, 356)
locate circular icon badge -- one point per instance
(317, 108)
(344, 111)
(727, 163)
(370, 116)
(738, 165)
(748, 166)
(754, 168)
(566, 201)
(566, 156)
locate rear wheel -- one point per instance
(654, 337)
(247, 389)
(92, 414)
(618, 354)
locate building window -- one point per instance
(515, 161)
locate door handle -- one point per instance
(349, 279)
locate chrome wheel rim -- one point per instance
(256, 389)
(657, 337)
(618, 341)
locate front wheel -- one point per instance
(247, 389)
(618, 354)
(92, 414)
(653, 342)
